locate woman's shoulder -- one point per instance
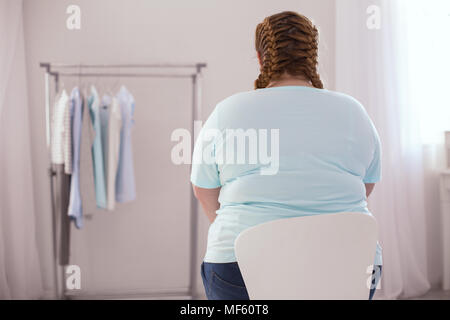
(330, 97)
(236, 97)
(344, 96)
(322, 92)
(344, 100)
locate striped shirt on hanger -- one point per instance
(61, 147)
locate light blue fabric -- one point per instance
(125, 183)
(97, 150)
(104, 119)
(75, 210)
(328, 149)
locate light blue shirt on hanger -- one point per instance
(75, 210)
(125, 182)
(104, 117)
(97, 149)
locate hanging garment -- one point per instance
(125, 184)
(104, 118)
(105, 107)
(111, 123)
(86, 169)
(67, 138)
(75, 207)
(62, 220)
(114, 127)
(61, 141)
(97, 149)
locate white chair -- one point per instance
(326, 256)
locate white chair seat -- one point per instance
(326, 256)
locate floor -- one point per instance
(435, 295)
(432, 295)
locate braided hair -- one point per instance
(287, 42)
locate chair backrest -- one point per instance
(326, 256)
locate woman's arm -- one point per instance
(369, 188)
(209, 199)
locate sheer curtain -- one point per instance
(20, 276)
(381, 68)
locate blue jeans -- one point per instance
(376, 276)
(223, 281)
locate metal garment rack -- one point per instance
(57, 70)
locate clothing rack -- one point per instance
(57, 70)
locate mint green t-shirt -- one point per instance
(323, 148)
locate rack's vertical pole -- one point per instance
(194, 206)
(51, 175)
(199, 90)
(61, 269)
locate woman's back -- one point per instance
(322, 148)
(287, 149)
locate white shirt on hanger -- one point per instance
(61, 148)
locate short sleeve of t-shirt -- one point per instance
(204, 173)
(373, 172)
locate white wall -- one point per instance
(143, 245)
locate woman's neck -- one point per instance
(290, 81)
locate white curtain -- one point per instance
(20, 276)
(376, 66)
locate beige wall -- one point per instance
(142, 246)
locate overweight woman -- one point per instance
(324, 151)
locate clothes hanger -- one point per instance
(117, 85)
(62, 87)
(61, 90)
(98, 86)
(113, 88)
(82, 85)
(79, 77)
(107, 95)
(100, 90)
